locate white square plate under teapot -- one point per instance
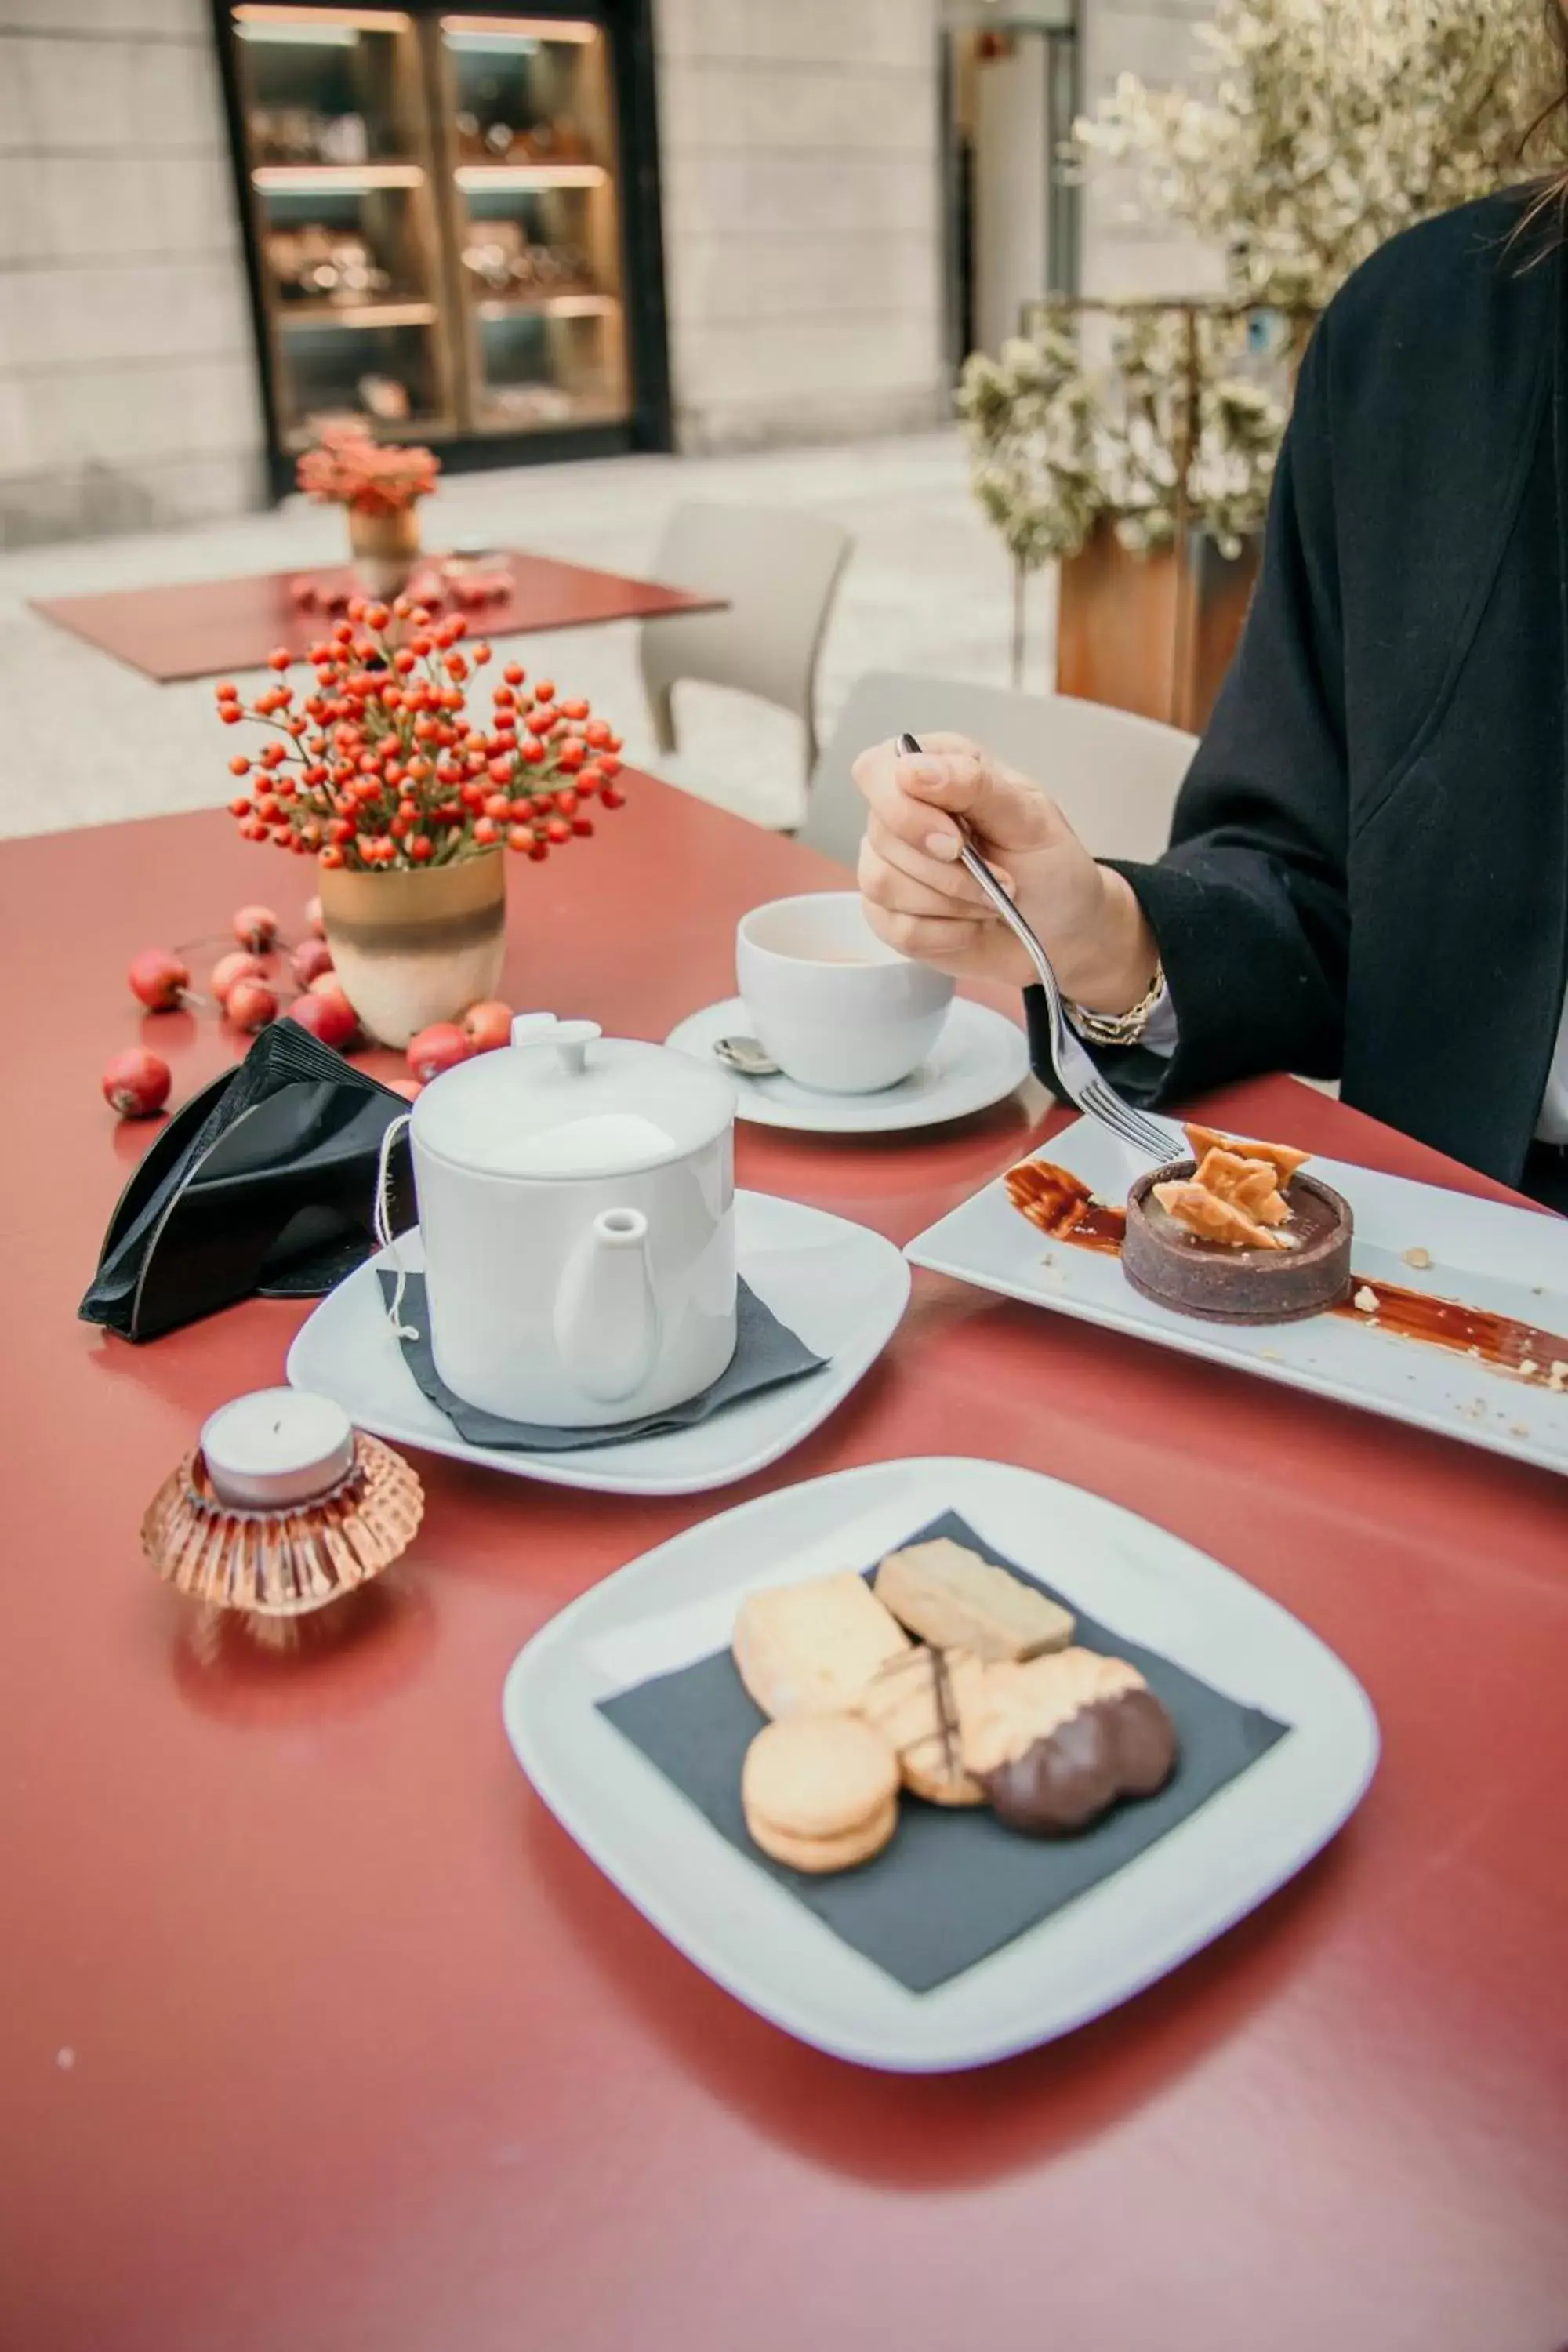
(841, 1287)
(678, 1603)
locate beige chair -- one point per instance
(779, 571)
(1115, 776)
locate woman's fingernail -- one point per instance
(943, 845)
(923, 771)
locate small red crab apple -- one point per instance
(488, 1026)
(310, 959)
(136, 1084)
(327, 1014)
(255, 927)
(229, 968)
(250, 1004)
(159, 979)
(441, 1047)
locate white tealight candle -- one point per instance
(277, 1449)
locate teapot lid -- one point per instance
(564, 1100)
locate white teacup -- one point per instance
(837, 1010)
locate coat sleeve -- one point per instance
(1248, 904)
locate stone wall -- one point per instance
(800, 151)
(801, 155)
(126, 374)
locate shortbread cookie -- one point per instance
(917, 1701)
(956, 1601)
(1055, 1741)
(820, 1791)
(811, 1649)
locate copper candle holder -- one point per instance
(277, 1566)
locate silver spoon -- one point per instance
(747, 1055)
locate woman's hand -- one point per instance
(919, 899)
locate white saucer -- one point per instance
(839, 1286)
(978, 1059)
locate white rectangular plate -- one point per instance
(678, 1603)
(839, 1286)
(1510, 1261)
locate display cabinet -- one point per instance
(451, 225)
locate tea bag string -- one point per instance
(383, 1223)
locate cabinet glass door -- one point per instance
(531, 158)
(340, 171)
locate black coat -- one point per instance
(1369, 871)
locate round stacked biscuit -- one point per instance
(820, 1791)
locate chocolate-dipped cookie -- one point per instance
(1113, 1747)
(1056, 1740)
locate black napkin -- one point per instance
(954, 1885)
(766, 1355)
(263, 1183)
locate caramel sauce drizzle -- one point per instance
(1449, 1323)
(1063, 1206)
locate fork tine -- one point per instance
(1107, 1107)
(1158, 1139)
(1129, 1123)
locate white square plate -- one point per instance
(678, 1603)
(1510, 1261)
(839, 1286)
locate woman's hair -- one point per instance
(1548, 207)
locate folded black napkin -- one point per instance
(766, 1355)
(954, 1885)
(263, 1184)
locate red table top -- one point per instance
(317, 2033)
(200, 628)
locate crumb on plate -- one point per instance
(1420, 1258)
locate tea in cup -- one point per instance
(839, 1012)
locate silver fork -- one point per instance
(1092, 1093)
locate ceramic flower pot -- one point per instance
(418, 947)
(386, 549)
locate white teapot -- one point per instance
(576, 1204)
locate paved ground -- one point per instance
(87, 741)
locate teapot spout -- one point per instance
(607, 1317)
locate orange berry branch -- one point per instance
(382, 765)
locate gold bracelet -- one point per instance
(1118, 1028)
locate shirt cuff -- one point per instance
(1159, 1031)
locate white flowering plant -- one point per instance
(1056, 444)
(1318, 129)
(1036, 442)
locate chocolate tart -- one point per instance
(1166, 1263)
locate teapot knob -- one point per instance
(532, 1028)
(572, 1039)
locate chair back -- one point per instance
(1114, 776)
(779, 571)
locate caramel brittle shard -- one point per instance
(1250, 1185)
(1213, 1220)
(1282, 1156)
